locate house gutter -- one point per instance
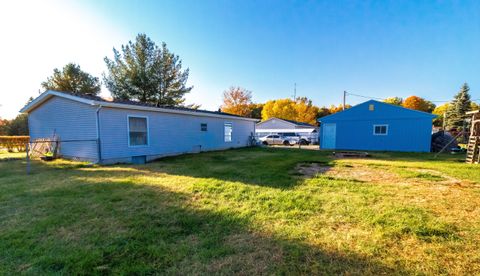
(99, 144)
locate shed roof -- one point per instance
(125, 104)
(380, 110)
(289, 121)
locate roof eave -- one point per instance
(173, 111)
(50, 93)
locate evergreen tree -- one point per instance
(72, 79)
(147, 73)
(456, 112)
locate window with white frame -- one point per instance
(228, 128)
(137, 131)
(203, 127)
(380, 129)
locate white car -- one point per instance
(275, 139)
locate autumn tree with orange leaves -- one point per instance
(237, 100)
(417, 103)
(300, 110)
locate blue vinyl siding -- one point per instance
(68, 120)
(168, 134)
(408, 130)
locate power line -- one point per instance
(382, 99)
(366, 97)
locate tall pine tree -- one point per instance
(147, 73)
(456, 112)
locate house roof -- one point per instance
(125, 104)
(289, 121)
(381, 111)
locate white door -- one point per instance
(329, 136)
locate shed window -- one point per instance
(137, 131)
(203, 127)
(228, 128)
(380, 129)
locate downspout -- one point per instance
(99, 145)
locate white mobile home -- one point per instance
(94, 129)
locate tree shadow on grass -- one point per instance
(275, 168)
(87, 226)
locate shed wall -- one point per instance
(409, 135)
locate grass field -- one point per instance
(4, 155)
(247, 211)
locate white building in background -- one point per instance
(287, 128)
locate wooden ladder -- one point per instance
(473, 155)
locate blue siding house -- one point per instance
(93, 129)
(374, 125)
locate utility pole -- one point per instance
(344, 99)
(294, 91)
(444, 120)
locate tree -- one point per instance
(440, 112)
(282, 108)
(334, 109)
(300, 110)
(306, 111)
(256, 110)
(237, 100)
(72, 79)
(394, 101)
(474, 106)
(4, 126)
(147, 73)
(460, 105)
(18, 126)
(322, 112)
(417, 103)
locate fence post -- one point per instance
(28, 157)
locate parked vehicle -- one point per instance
(302, 140)
(275, 139)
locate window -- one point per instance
(228, 128)
(203, 127)
(380, 129)
(137, 131)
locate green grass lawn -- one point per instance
(247, 211)
(5, 155)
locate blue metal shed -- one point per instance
(374, 125)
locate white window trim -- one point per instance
(380, 134)
(231, 134)
(128, 131)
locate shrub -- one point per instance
(12, 143)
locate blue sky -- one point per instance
(375, 48)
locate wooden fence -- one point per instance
(14, 143)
